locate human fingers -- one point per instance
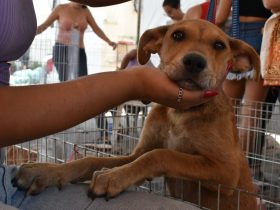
(167, 92)
(39, 30)
(190, 98)
(114, 45)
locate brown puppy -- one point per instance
(196, 144)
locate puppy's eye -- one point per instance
(178, 35)
(218, 45)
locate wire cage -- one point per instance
(47, 61)
(117, 131)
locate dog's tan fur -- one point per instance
(197, 144)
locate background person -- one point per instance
(73, 19)
(173, 9)
(252, 20)
(241, 86)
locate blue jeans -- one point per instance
(8, 194)
(74, 197)
(251, 33)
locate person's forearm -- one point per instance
(31, 112)
(41, 28)
(100, 3)
(36, 111)
(102, 35)
(223, 12)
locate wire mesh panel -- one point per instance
(259, 132)
(48, 61)
(117, 132)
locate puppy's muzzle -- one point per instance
(194, 63)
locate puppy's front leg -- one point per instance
(111, 182)
(159, 162)
(36, 177)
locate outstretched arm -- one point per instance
(52, 17)
(100, 3)
(98, 30)
(35, 111)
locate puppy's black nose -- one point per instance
(194, 63)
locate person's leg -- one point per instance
(267, 107)
(83, 71)
(251, 112)
(254, 93)
(60, 56)
(102, 124)
(234, 89)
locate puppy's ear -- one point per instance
(240, 48)
(150, 42)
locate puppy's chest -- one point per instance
(181, 133)
(180, 140)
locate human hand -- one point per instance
(113, 44)
(157, 87)
(40, 29)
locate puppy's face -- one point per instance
(194, 53)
